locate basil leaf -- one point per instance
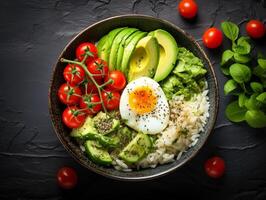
(242, 46)
(259, 72)
(230, 30)
(241, 58)
(229, 86)
(240, 73)
(225, 70)
(262, 63)
(227, 55)
(252, 103)
(256, 87)
(243, 39)
(234, 112)
(242, 99)
(262, 98)
(263, 82)
(256, 118)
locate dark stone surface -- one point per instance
(33, 33)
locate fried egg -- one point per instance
(144, 107)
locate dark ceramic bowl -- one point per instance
(93, 33)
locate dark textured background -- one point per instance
(33, 33)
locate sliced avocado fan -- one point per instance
(168, 53)
(105, 50)
(115, 45)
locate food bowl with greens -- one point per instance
(133, 97)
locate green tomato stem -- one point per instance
(89, 74)
(110, 81)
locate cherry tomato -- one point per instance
(74, 74)
(255, 29)
(212, 38)
(188, 9)
(119, 80)
(88, 85)
(98, 68)
(111, 99)
(91, 103)
(67, 177)
(84, 48)
(215, 167)
(73, 117)
(69, 95)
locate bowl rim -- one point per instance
(161, 173)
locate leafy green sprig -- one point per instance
(245, 82)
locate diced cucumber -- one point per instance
(138, 148)
(96, 153)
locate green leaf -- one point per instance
(227, 55)
(256, 87)
(252, 103)
(235, 113)
(263, 82)
(230, 30)
(242, 47)
(225, 70)
(240, 73)
(241, 58)
(262, 63)
(256, 118)
(262, 97)
(242, 98)
(229, 86)
(259, 72)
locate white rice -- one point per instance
(189, 116)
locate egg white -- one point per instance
(153, 122)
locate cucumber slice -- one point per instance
(96, 153)
(137, 149)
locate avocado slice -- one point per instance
(129, 50)
(137, 149)
(89, 131)
(105, 50)
(105, 124)
(86, 128)
(144, 59)
(115, 45)
(101, 43)
(96, 153)
(122, 46)
(168, 53)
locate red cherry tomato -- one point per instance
(91, 103)
(119, 80)
(215, 167)
(98, 68)
(67, 177)
(89, 86)
(69, 95)
(212, 38)
(188, 9)
(84, 48)
(255, 29)
(73, 117)
(111, 99)
(74, 74)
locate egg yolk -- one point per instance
(142, 100)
